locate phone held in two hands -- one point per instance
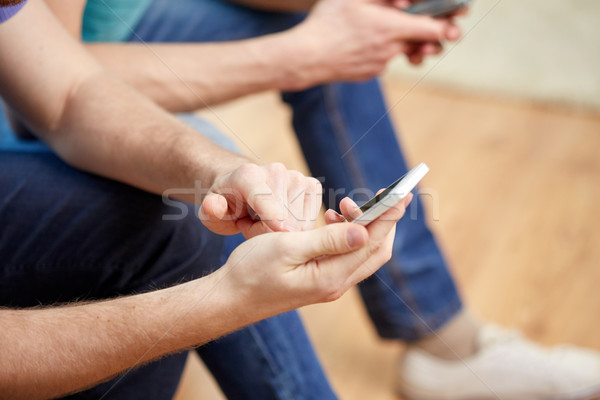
(398, 190)
(437, 8)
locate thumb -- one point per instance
(214, 207)
(331, 239)
(214, 214)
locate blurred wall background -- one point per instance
(544, 50)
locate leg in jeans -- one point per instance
(70, 236)
(414, 293)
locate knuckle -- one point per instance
(333, 296)
(277, 168)
(331, 291)
(247, 170)
(329, 241)
(314, 185)
(248, 167)
(296, 177)
(384, 253)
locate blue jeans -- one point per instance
(413, 294)
(68, 236)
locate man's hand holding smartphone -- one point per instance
(439, 9)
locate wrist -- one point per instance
(208, 309)
(207, 174)
(231, 298)
(252, 291)
(225, 166)
(289, 59)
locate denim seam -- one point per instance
(409, 301)
(339, 129)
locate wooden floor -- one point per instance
(518, 217)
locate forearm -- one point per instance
(92, 120)
(132, 140)
(185, 77)
(69, 348)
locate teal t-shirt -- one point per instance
(111, 20)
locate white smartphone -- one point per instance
(398, 190)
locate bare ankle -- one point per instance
(457, 339)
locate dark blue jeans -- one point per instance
(349, 142)
(68, 236)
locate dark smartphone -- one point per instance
(437, 8)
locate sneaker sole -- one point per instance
(409, 392)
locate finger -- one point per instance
(299, 215)
(349, 209)
(412, 49)
(295, 209)
(216, 215)
(400, 4)
(312, 202)
(296, 200)
(250, 228)
(355, 266)
(332, 217)
(380, 227)
(250, 185)
(266, 205)
(420, 28)
(278, 179)
(372, 262)
(214, 206)
(437, 48)
(452, 33)
(328, 240)
(415, 59)
(430, 48)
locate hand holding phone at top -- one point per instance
(439, 10)
(353, 40)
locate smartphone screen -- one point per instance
(380, 196)
(437, 8)
(376, 206)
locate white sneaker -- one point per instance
(506, 367)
